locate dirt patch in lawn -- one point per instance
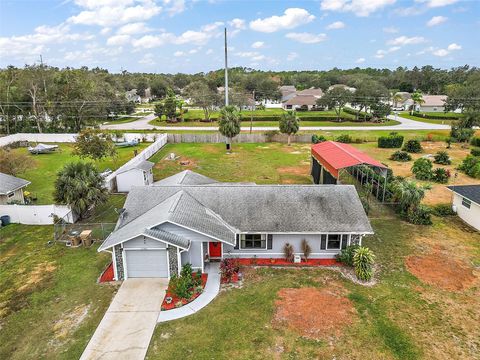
(441, 271)
(68, 324)
(314, 313)
(294, 170)
(38, 274)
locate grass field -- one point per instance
(50, 303)
(407, 115)
(43, 171)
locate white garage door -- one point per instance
(147, 263)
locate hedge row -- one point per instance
(391, 141)
(362, 115)
(435, 116)
(277, 118)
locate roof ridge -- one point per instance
(348, 152)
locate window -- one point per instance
(323, 242)
(467, 203)
(10, 195)
(253, 241)
(344, 241)
(333, 242)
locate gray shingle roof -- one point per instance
(471, 192)
(9, 183)
(174, 239)
(144, 165)
(186, 177)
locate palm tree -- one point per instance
(396, 98)
(289, 124)
(81, 186)
(417, 98)
(229, 123)
(408, 194)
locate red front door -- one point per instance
(215, 249)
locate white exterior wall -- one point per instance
(143, 242)
(438, 109)
(17, 197)
(470, 216)
(36, 214)
(127, 179)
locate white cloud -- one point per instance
(292, 56)
(247, 53)
(437, 3)
(358, 7)
(258, 44)
(390, 30)
(151, 41)
(237, 24)
(111, 13)
(178, 53)
(209, 51)
(291, 18)
(360, 60)
(454, 46)
(133, 28)
(410, 11)
(118, 40)
(105, 31)
(436, 20)
(148, 59)
(381, 53)
(173, 7)
(307, 38)
(404, 40)
(336, 25)
(441, 52)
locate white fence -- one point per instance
(144, 155)
(36, 214)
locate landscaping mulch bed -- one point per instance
(283, 262)
(175, 299)
(442, 271)
(314, 313)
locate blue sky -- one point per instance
(187, 36)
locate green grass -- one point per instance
(43, 172)
(34, 300)
(123, 120)
(200, 124)
(429, 121)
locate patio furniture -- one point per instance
(86, 238)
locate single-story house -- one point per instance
(318, 93)
(135, 175)
(404, 101)
(11, 189)
(466, 203)
(432, 103)
(300, 101)
(132, 96)
(190, 218)
(342, 86)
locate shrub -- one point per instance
(475, 141)
(391, 141)
(306, 249)
(229, 267)
(461, 134)
(363, 260)
(346, 255)
(420, 215)
(475, 151)
(187, 270)
(344, 138)
(443, 210)
(436, 116)
(401, 156)
(412, 146)
(471, 166)
(181, 286)
(441, 175)
(288, 252)
(318, 138)
(422, 169)
(442, 157)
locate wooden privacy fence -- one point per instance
(241, 138)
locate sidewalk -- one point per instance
(212, 287)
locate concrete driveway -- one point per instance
(127, 327)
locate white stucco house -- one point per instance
(11, 189)
(466, 203)
(190, 218)
(432, 103)
(139, 174)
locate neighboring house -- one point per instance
(11, 189)
(190, 218)
(136, 175)
(405, 101)
(132, 96)
(345, 87)
(300, 101)
(318, 93)
(432, 103)
(466, 203)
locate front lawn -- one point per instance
(426, 119)
(45, 167)
(400, 317)
(255, 123)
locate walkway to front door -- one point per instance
(127, 327)
(215, 249)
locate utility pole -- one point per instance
(253, 108)
(226, 70)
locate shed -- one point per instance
(329, 157)
(138, 174)
(466, 203)
(11, 189)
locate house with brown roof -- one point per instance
(304, 99)
(432, 103)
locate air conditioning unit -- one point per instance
(297, 259)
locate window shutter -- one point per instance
(344, 241)
(237, 241)
(323, 242)
(269, 241)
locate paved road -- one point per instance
(127, 327)
(405, 124)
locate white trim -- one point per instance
(203, 257)
(311, 232)
(114, 262)
(272, 253)
(462, 196)
(253, 249)
(199, 232)
(124, 260)
(179, 262)
(168, 263)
